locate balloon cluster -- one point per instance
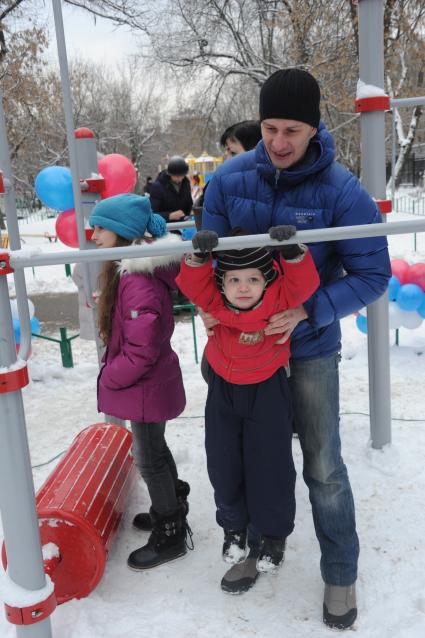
(53, 186)
(35, 324)
(406, 294)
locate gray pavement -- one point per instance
(56, 310)
(61, 309)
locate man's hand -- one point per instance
(176, 215)
(208, 321)
(285, 322)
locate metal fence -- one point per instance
(410, 205)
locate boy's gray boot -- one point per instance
(339, 606)
(242, 576)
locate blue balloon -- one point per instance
(53, 186)
(361, 323)
(409, 297)
(35, 326)
(393, 288)
(17, 331)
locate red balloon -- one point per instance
(119, 174)
(417, 275)
(66, 228)
(400, 269)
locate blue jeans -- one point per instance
(154, 459)
(315, 395)
(314, 387)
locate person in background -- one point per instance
(236, 139)
(140, 379)
(248, 414)
(147, 186)
(196, 186)
(292, 178)
(170, 193)
(240, 137)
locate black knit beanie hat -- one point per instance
(256, 257)
(291, 94)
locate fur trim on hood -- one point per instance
(148, 264)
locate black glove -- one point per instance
(280, 233)
(205, 241)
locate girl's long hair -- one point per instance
(108, 285)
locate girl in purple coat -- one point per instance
(141, 380)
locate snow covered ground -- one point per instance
(183, 598)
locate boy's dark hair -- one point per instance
(247, 132)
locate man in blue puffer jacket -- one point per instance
(291, 177)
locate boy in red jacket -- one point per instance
(248, 414)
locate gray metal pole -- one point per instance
(393, 155)
(17, 497)
(88, 277)
(22, 259)
(408, 101)
(371, 67)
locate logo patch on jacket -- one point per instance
(304, 216)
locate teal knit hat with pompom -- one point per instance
(128, 215)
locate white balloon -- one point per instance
(395, 315)
(412, 320)
(363, 312)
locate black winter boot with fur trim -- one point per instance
(143, 520)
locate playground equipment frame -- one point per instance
(20, 524)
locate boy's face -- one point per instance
(244, 288)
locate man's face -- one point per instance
(286, 141)
(177, 179)
(233, 147)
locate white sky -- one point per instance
(98, 40)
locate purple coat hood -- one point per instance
(141, 378)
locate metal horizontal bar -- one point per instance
(24, 258)
(175, 225)
(408, 101)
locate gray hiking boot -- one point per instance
(339, 606)
(242, 576)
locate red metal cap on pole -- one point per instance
(83, 131)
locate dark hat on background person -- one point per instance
(255, 257)
(128, 215)
(177, 166)
(291, 94)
